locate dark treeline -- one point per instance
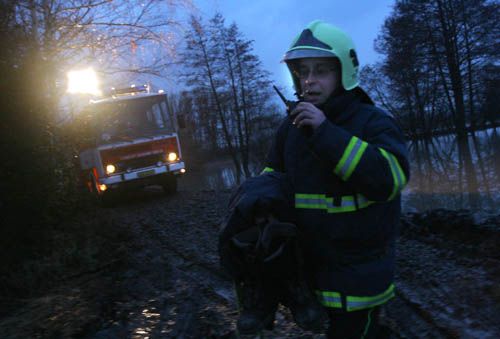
(440, 77)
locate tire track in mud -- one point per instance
(209, 275)
(445, 289)
(181, 243)
(407, 319)
(207, 286)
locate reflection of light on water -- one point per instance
(228, 177)
(149, 314)
(216, 175)
(438, 178)
(225, 293)
(149, 322)
(221, 178)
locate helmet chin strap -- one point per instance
(338, 91)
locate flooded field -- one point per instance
(222, 175)
(212, 176)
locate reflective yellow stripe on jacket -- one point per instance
(398, 175)
(267, 169)
(351, 157)
(321, 201)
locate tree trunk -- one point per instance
(449, 40)
(236, 106)
(215, 96)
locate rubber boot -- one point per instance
(307, 312)
(258, 304)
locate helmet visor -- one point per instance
(307, 53)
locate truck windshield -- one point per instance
(134, 116)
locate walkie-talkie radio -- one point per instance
(290, 105)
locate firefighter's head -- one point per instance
(322, 61)
(317, 78)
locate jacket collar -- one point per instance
(340, 107)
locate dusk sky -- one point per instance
(272, 24)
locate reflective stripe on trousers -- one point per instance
(354, 303)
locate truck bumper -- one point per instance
(148, 175)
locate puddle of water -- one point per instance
(224, 293)
(224, 177)
(212, 176)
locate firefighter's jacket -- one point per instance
(347, 175)
(270, 193)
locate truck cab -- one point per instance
(130, 141)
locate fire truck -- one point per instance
(129, 140)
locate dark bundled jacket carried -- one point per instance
(267, 194)
(259, 246)
(347, 177)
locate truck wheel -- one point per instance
(169, 184)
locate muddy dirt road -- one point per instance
(162, 278)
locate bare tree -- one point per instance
(202, 60)
(219, 61)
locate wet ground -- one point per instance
(162, 278)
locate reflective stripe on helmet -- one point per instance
(309, 53)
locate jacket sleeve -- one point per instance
(275, 156)
(376, 167)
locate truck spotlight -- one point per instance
(83, 81)
(172, 156)
(110, 169)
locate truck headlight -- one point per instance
(172, 156)
(110, 169)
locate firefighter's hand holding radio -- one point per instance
(306, 114)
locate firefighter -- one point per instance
(348, 163)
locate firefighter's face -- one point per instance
(319, 78)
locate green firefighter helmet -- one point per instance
(320, 40)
